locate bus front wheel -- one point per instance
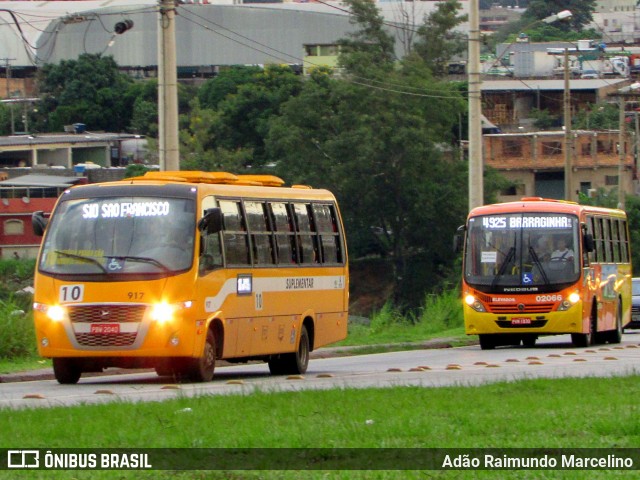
(487, 342)
(586, 339)
(66, 370)
(292, 363)
(201, 369)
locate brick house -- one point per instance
(535, 162)
(19, 198)
(16, 233)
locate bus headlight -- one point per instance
(473, 303)
(165, 312)
(568, 302)
(53, 312)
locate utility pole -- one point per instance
(621, 152)
(568, 143)
(476, 167)
(167, 87)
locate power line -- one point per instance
(284, 54)
(266, 49)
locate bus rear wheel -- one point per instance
(292, 363)
(66, 370)
(615, 336)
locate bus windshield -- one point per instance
(522, 251)
(120, 235)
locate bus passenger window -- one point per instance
(306, 237)
(234, 238)
(328, 233)
(624, 241)
(283, 232)
(260, 233)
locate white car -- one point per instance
(589, 74)
(635, 304)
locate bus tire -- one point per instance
(167, 368)
(487, 342)
(201, 369)
(586, 339)
(66, 370)
(615, 336)
(292, 363)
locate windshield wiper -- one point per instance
(95, 261)
(150, 260)
(510, 254)
(536, 261)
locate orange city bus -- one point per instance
(173, 270)
(542, 267)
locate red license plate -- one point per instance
(105, 328)
(521, 321)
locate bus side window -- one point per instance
(235, 236)
(283, 233)
(599, 239)
(259, 231)
(305, 234)
(588, 257)
(340, 244)
(624, 240)
(608, 255)
(328, 233)
(615, 240)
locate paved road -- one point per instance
(466, 366)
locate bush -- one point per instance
(386, 317)
(17, 334)
(439, 313)
(442, 312)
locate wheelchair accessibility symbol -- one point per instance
(527, 278)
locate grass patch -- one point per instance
(12, 365)
(441, 316)
(541, 413)
(495, 415)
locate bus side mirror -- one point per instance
(457, 239)
(589, 244)
(211, 221)
(38, 223)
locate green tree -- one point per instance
(544, 120)
(599, 116)
(144, 116)
(198, 148)
(381, 138)
(88, 90)
(244, 116)
(226, 83)
(5, 119)
(371, 47)
(570, 30)
(382, 155)
(581, 10)
(438, 40)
